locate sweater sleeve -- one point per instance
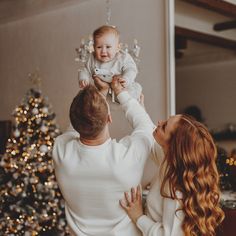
(86, 72)
(170, 225)
(141, 123)
(136, 114)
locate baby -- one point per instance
(109, 60)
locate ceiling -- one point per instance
(11, 10)
(195, 46)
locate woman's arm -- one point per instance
(132, 204)
(171, 219)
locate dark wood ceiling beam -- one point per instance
(180, 42)
(205, 38)
(178, 54)
(225, 25)
(219, 6)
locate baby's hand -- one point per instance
(83, 83)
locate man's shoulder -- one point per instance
(66, 137)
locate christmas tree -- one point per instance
(30, 200)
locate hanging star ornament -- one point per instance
(35, 79)
(86, 45)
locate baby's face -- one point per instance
(106, 47)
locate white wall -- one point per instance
(47, 41)
(209, 85)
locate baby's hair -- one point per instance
(105, 29)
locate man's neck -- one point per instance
(100, 139)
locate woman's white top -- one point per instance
(161, 217)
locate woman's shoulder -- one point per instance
(157, 154)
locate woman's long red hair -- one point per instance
(190, 168)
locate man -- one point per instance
(93, 171)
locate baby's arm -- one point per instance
(129, 70)
(85, 74)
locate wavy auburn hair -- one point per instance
(190, 168)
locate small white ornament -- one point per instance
(35, 111)
(136, 48)
(43, 148)
(39, 186)
(45, 110)
(62, 222)
(15, 175)
(33, 180)
(16, 133)
(27, 233)
(38, 120)
(26, 180)
(44, 128)
(19, 227)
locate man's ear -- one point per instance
(109, 118)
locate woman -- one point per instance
(184, 197)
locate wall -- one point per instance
(206, 77)
(212, 88)
(47, 41)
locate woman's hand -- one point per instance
(132, 204)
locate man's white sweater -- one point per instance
(94, 178)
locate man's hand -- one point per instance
(83, 83)
(121, 80)
(116, 84)
(102, 86)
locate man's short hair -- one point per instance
(89, 112)
(105, 29)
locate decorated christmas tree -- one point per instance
(30, 200)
